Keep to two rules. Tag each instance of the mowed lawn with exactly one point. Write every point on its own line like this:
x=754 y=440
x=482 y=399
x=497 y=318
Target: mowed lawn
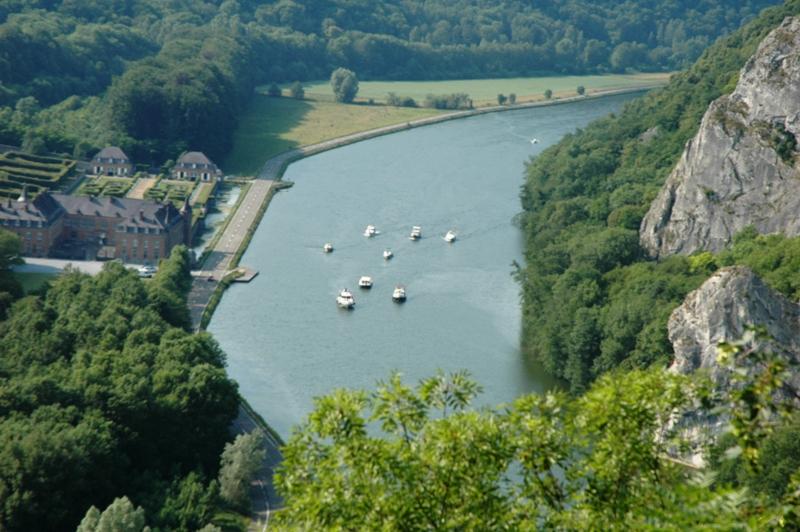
x=273 y=125
x=485 y=91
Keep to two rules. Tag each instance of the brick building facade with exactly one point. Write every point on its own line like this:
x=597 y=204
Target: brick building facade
x=76 y=227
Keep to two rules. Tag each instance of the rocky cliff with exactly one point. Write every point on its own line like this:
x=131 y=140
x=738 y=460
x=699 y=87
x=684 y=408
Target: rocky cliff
x=719 y=311
x=742 y=167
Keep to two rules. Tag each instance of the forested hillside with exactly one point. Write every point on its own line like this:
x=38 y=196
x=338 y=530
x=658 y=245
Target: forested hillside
x=180 y=72
x=592 y=301
x=104 y=393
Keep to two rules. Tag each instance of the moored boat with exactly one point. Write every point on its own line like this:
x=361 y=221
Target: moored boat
x=416 y=233
x=450 y=236
x=399 y=294
x=345 y=299
x=387 y=254
x=370 y=231
x=328 y=247
x=365 y=282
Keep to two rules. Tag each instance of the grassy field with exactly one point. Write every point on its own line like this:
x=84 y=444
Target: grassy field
x=273 y=125
x=484 y=91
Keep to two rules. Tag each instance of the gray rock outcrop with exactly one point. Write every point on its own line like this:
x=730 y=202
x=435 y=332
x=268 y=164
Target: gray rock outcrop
x=720 y=311
x=741 y=168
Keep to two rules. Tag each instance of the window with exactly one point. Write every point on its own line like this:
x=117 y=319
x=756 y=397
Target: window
x=39 y=236
x=135 y=242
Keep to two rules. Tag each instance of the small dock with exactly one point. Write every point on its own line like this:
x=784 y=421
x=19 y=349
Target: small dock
x=244 y=274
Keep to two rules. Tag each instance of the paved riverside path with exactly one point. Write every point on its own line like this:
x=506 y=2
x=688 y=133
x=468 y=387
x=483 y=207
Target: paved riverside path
x=218 y=262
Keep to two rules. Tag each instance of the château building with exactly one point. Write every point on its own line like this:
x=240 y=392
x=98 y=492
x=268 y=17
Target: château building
x=88 y=228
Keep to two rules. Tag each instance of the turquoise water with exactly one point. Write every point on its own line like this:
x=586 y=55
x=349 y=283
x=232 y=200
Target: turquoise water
x=286 y=340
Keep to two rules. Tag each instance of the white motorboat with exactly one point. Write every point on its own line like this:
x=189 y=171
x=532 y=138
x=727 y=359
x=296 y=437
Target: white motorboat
x=345 y=299
x=365 y=282
x=371 y=231
x=328 y=247
x=416 y=233
x=399 y=294
x=387 y=254
x=450 y=237
x=534 y=141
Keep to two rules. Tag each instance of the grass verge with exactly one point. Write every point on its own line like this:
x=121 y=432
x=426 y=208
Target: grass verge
x=274 y=125
x=485 y=91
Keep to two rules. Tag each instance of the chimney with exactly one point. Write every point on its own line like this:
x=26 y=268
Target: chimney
x=24 y=196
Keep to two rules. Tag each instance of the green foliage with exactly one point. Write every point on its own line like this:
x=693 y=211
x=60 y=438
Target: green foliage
x=405 y=458
x=344 y=84
x=296 y=91
x=448 y=101
x=591 y=300
x=102 y=396
x=512 y=98
x=120 y=516
x=400 y=101
x=548 y=94
x=274 y=91
x=159 y=77
x=240 y=462
x=581 y=90
x=501 y=99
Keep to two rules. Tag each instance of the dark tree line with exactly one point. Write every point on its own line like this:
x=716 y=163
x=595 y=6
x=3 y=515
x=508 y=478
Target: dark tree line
x=159 y=77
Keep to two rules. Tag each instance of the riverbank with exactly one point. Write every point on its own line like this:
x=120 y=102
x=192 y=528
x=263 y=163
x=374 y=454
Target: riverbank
x=272 y=171
x=275 y=167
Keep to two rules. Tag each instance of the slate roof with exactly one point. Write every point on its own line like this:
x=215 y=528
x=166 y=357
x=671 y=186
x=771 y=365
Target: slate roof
x=194 y=157
x=111 y=152
x=140 y=213
x=43 y=209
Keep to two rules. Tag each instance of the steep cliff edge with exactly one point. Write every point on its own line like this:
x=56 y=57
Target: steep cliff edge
x=742 y=167
x=719 y=311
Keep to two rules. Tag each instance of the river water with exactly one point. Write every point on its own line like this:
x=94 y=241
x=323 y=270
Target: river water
x=286 y=340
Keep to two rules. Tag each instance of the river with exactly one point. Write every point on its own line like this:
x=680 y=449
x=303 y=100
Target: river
x=286 y=340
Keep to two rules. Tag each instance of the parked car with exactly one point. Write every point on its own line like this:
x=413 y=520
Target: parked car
x=147 y=271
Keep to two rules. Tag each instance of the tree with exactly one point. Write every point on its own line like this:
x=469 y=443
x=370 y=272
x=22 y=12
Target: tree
x=9 y=249
x=296 y=90
x=273 y=90
x=421 y=459
x=120 y=516
x=548 y=94
x=581 y=90
x=344 y=84
x=512 y=98
x=501 y=99
x=239 y=463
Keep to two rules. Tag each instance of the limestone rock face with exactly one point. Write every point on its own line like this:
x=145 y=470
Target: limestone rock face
x=720 y=310
x=742 y=168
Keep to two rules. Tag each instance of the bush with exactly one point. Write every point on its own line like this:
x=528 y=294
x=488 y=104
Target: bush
x=274 y=91
x=296 y=91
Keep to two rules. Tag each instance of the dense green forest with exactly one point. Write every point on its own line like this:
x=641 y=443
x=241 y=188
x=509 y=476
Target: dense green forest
x=158 y=77
x=104 y=393
x=591 y=300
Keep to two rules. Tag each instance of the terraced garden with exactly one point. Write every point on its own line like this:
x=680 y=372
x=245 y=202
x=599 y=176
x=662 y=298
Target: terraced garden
x=106 y=186
x=34 y=171
x=172 y=190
